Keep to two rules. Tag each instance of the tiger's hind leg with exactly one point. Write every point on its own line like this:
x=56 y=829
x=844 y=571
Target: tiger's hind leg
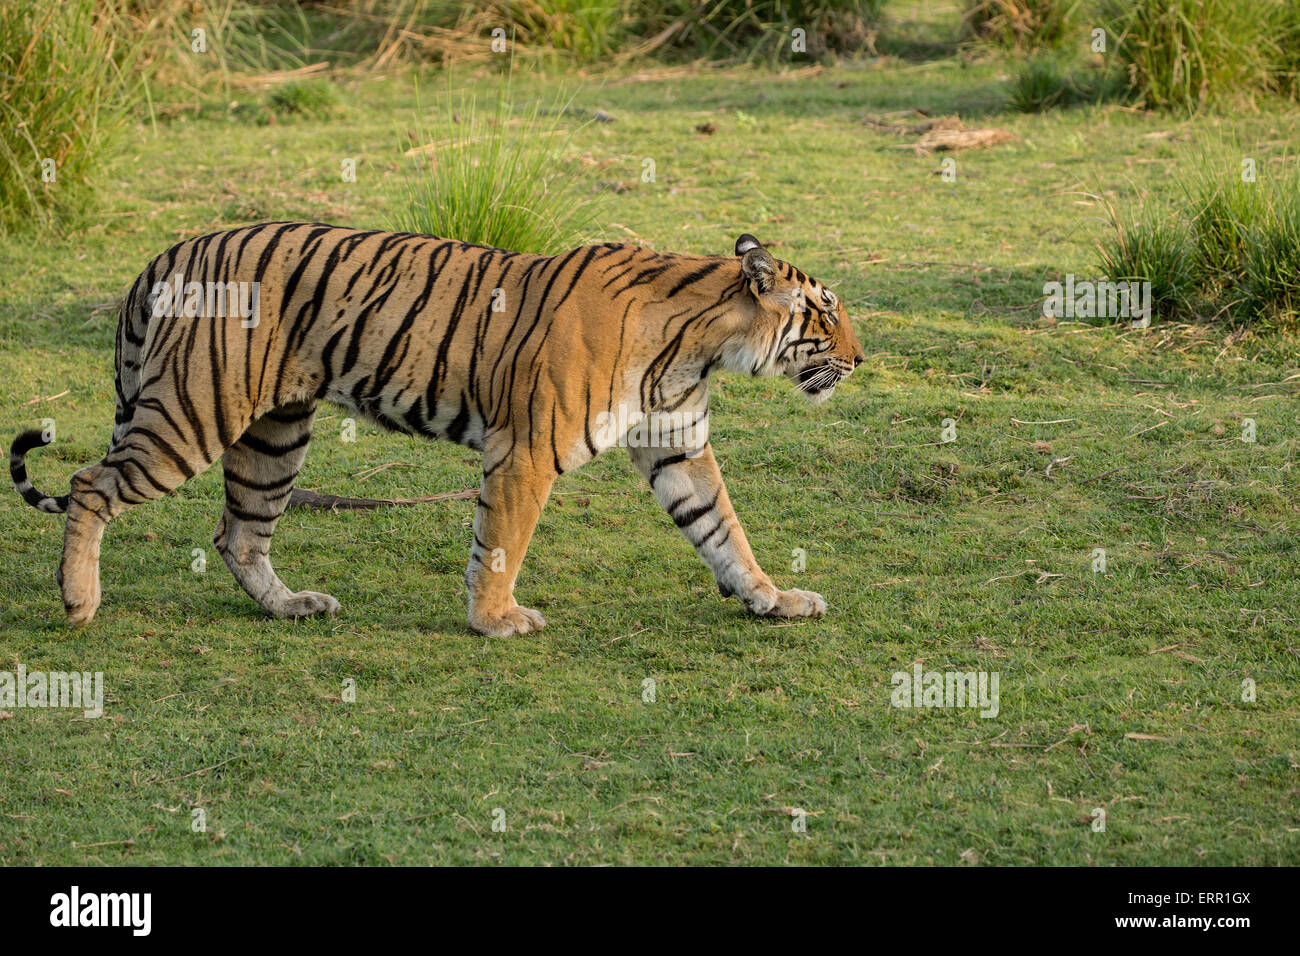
x=149 y=460
x=260 y=471
x=99 y=494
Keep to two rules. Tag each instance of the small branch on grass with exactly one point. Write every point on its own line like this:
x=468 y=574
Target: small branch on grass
x=1056 y=461
x=469 y=141
x=1149 y=382
x=47 y=398
x=1088 y=481
x=615 y=640
x=1005 y=577
x=90 y=846
x=371 y=472
x=306 y=498
x=1145 y=430
x=201 y=770
x=276 y=77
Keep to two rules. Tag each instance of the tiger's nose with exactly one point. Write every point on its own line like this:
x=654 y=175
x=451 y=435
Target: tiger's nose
x=858 y=360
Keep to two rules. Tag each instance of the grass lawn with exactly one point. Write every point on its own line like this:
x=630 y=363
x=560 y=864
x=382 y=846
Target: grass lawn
x=1119 y=690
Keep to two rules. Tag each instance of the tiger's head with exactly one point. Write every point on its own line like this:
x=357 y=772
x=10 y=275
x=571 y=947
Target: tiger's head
x=800 y=328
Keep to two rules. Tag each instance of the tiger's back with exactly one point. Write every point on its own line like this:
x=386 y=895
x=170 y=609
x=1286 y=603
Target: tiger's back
x=389 y=324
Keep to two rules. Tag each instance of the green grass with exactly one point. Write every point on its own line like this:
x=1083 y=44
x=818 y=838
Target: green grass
x=750 y=30
x=1024 y=25
x=1047 y=82
x=1190 y=54
x=313 y=100
x=1228 y=248
x=498 y=177
x=967 y=555
x=62 y=100
x=1155 y=246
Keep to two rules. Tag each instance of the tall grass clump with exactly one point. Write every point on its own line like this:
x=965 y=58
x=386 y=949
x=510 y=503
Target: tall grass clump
x=587 y=30
x=238 y=37
x=1021 y=25
x=1153 y=246
x=385 y=32
x=1270 y=293
x=1287 y=71
x=746 y=30
x=499 y=179
x=1187 y=54
x=62 y=99
x=1224 y=215
x=1046 y=82
x=1041 y=84
x=1227 y=249
x=251 y=35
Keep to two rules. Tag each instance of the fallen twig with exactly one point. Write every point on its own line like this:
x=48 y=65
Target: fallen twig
x=306 y=498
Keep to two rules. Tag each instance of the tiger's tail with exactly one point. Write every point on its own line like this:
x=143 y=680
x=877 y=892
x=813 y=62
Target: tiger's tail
x=33 y=438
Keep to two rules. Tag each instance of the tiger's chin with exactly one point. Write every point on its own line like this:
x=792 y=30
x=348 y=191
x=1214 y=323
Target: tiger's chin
x=817 y=382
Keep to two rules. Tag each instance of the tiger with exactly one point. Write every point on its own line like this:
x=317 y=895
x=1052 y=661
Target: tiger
x=538 y=362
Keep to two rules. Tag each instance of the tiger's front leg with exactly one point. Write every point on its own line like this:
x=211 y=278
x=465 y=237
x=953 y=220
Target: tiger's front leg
x=692 y=492
x=509 y=504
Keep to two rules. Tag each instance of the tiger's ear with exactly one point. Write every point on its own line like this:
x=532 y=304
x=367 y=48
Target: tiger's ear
x=756 y=263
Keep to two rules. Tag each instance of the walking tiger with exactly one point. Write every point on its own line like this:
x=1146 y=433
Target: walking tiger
x=525 y=358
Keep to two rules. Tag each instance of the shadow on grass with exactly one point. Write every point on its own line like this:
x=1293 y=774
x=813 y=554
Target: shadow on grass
x=971 y=290
x=849 y=94
x=921 y=34
x=916 y=49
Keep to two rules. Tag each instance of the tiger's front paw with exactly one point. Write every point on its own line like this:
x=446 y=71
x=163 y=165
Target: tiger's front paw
x=796 y=603
x=517 y=620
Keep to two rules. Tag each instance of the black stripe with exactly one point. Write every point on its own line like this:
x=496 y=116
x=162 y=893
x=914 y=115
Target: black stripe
x=695 y=514
x=663 y=463
x=181 y=464
x=253 y=443
x=278 y=485
x=276 y=415
x=695 y=276
x=243 y=515
x=722 y=523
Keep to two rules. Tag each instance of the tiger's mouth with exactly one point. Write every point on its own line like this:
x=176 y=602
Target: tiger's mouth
x=818 y=381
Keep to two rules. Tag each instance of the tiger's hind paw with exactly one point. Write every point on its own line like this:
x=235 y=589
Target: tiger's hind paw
x=80 y=614
x=517 y=620
x=305 y=604
x=79 y=603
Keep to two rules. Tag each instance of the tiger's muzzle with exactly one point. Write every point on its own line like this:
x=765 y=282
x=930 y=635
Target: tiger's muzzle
x=819 y=380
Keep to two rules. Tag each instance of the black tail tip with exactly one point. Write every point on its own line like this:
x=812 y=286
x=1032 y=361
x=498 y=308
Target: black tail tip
x=18 y=472
x=32 y=438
